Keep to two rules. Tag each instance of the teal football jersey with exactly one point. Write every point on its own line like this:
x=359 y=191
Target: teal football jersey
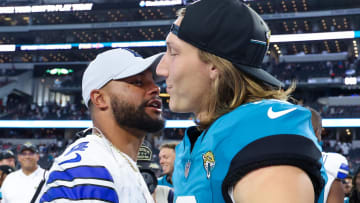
x=254 y=135
x=163 y=181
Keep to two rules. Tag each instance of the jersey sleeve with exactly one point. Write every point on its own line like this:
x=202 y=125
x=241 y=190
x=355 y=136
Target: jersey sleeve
x=336 y=165
x=80 y=183
x=73 y=177
x=296 y=151
x=287 y=140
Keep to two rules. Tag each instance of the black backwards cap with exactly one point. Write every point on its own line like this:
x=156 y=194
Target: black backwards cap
x=7 y=154
x=6 y=169
x=28 y=146
x=231 y=30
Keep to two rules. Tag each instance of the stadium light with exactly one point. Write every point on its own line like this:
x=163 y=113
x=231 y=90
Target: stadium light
x=59 y=71
x=162 y=43
x=159 y=43
x=46 y=8
x=340 y=122
x=76 y=124
x=160 y=3
x=93 y=45
x=179 y=123
x=314 y=36
x=350 y=81
x=98 y=45
x=7 y=48
x=45 y=124
x=45 y=47
x=326 y=122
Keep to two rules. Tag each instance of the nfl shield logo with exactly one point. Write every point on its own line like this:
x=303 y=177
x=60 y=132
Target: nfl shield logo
x=187 y=168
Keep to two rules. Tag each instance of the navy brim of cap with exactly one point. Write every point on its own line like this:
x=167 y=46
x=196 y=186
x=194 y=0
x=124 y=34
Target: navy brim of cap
x=260 y=74
x=7 y=156
x=28 y=148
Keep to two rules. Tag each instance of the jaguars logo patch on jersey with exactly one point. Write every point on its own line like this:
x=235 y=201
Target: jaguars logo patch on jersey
x=209 y=163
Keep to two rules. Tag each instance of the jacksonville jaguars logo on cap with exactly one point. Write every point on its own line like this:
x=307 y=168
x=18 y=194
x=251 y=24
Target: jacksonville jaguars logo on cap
x=209 y=163
x=194 y=2
x=267 y=36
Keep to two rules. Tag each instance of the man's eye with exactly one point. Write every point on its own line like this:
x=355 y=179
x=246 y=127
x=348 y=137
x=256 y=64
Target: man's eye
x=137 y=82
x=173 y=53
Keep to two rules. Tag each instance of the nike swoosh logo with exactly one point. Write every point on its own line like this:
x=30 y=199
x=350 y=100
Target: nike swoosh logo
x=273 y=115
x=76 y=159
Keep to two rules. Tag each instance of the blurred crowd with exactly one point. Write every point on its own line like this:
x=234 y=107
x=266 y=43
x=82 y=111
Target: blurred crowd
x=16 y=110
x=19 y=110
x=305 y=70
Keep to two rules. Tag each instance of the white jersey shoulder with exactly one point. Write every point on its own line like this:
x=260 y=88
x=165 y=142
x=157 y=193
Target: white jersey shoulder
x=336 y=167
x=90 y=170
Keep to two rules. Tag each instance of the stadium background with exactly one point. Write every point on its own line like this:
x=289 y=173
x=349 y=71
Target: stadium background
x=45 y=45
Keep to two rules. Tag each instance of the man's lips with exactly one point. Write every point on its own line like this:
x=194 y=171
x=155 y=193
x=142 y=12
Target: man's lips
x=154 y=103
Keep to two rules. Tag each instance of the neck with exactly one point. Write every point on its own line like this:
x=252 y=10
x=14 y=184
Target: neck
x=126 y=140
x=28 y=171
x=201 y=116
x=203 y=111
x=169 y=178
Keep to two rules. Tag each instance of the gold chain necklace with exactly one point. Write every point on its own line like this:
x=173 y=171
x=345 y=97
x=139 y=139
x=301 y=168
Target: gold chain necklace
x=98 y=132
x=127 y=159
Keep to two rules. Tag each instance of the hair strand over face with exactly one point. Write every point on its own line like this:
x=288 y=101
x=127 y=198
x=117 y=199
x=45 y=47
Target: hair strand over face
x=233 y=88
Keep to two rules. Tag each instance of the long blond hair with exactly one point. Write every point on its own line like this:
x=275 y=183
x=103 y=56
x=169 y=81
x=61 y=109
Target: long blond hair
x=233 y=88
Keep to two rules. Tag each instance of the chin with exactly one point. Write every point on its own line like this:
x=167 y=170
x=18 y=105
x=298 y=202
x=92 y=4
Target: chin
x=174 y=107
x=179 y=109
x=155 y=115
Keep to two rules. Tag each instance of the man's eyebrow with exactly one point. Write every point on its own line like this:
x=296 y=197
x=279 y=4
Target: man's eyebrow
x=142 y=73
x=171 y=44
x=131 y=77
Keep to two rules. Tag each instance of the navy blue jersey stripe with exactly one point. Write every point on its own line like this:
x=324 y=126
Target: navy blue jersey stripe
x=344 y=167
x=341 y=175
x=85 y=172
x=170 y=196
x=81 y=192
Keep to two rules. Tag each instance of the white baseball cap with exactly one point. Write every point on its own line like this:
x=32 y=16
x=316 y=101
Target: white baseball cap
x=113 y=65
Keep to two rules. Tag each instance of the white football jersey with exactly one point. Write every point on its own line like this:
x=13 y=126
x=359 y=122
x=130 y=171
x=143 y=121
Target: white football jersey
x=92 y=170
x=336 y=166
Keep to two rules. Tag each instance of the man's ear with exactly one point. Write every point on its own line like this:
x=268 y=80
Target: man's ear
x=213 y=71
x=98 y=99
x=37 y=157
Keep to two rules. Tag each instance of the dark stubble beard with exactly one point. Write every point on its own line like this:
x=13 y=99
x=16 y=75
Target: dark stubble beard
x=127 y=115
